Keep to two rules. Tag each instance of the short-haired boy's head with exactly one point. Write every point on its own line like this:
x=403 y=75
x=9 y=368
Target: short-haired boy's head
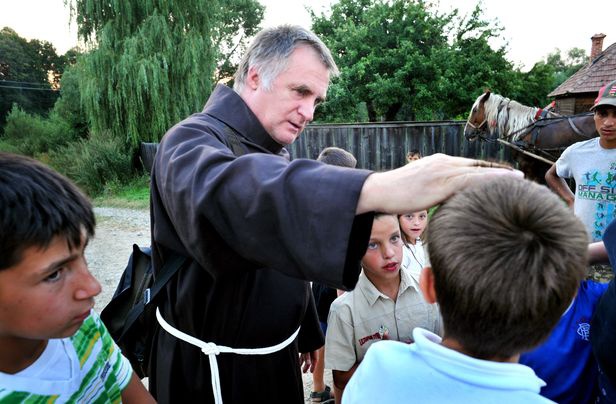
x=413 y=155
x=37 y=204
x=507 y=257
x=337 y=157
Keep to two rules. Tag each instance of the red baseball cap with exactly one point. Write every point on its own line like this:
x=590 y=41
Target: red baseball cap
x=607 y=96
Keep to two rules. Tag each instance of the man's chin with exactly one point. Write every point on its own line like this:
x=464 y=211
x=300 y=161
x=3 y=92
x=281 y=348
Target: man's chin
x=287 y=138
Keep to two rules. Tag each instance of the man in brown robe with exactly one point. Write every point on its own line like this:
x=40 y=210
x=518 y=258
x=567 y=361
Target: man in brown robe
x=256 y=227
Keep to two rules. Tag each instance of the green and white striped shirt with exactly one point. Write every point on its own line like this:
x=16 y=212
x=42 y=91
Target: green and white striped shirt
x=92 y=370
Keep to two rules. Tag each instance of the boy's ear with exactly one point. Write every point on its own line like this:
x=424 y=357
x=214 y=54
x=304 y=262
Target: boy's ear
x=426 y=284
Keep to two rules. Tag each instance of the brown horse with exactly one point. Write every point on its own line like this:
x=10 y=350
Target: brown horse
x=537 y=135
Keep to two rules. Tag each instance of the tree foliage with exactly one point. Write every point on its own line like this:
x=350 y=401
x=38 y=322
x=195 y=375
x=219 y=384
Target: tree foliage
x=153 y=62
x=534 y=85
x=25 y=68
x=403 y=60
x=387 y=53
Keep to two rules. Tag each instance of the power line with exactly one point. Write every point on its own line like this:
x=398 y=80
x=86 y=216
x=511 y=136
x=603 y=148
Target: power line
x=24 y=82
x=28 y=88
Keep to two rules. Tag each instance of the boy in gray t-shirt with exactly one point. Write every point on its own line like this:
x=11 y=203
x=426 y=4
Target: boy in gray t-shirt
x=592 y=164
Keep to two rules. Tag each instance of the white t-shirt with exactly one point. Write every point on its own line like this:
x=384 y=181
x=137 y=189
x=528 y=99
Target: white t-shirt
x=85 y=368
x=414 y=258
x=428 y=372
x=594 y=170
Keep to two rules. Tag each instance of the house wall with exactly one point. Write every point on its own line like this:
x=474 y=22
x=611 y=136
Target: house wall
x=565 y=106
x=583 y=104
x=574 y=105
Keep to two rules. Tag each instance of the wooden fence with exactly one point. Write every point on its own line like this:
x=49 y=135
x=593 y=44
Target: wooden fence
x=383 y=146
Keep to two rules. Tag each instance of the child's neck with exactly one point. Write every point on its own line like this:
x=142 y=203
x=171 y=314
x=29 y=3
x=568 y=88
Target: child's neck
x=389 y=287
x=456 y=346
x=16 y=354
x=412 y=241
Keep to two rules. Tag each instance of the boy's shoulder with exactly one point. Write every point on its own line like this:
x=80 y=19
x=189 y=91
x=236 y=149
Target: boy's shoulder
x=364 y=294
x=344 y=301
x=590 y=145
x=591 y=290
x=87 y=358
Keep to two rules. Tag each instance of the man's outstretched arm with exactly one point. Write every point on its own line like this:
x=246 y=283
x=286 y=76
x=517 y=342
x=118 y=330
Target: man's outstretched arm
x=425 y=183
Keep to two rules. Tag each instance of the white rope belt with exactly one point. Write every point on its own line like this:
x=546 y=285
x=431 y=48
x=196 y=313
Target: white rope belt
x=211 y=350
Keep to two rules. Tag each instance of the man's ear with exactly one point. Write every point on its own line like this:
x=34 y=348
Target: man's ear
x=426 y=284
x=253 y=79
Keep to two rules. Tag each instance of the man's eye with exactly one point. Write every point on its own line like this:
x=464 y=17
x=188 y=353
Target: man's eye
x=371 y=246
x=395 y=239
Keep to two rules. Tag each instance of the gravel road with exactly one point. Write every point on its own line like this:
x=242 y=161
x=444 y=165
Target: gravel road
x=107 y=254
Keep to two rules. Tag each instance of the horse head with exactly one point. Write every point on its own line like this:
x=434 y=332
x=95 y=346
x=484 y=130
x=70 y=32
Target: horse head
x=477 y=123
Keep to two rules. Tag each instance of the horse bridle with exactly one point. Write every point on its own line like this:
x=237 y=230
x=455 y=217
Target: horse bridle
x=478 y=132
x=478 y=126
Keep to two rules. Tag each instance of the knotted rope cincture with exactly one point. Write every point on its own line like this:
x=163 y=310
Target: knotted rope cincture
x=211 y=350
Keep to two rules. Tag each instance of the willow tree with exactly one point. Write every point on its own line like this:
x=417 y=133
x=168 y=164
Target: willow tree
x=152 y=62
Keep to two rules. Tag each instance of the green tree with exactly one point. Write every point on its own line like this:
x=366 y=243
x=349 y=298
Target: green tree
x=401 y=59
x=24 y=73
x=471 y=65
x=385 y=52
x=68 y=107
x=153 y=62
x=533 y=86
x=575 y=59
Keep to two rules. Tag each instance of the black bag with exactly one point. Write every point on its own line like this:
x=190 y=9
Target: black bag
x=130 y=315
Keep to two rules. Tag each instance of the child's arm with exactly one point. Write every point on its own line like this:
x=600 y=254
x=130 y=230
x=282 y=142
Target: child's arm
x=597 y=254
x=341 y=378
x=559 y=185
x=135 y=392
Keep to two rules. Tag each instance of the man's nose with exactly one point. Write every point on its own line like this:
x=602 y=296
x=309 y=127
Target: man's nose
x=306 y=110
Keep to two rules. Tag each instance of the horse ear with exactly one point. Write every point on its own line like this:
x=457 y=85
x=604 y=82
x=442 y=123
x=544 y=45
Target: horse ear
x=485 y=96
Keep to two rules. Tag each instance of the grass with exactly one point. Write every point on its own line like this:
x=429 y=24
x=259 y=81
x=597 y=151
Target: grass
x=134 y=195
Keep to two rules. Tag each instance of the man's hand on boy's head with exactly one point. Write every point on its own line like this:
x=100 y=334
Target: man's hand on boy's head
x=425 y=183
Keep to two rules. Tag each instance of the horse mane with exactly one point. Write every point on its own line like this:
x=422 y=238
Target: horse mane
x=506 y=115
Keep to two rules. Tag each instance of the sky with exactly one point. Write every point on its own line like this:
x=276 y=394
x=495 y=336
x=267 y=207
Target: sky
x=532 y=28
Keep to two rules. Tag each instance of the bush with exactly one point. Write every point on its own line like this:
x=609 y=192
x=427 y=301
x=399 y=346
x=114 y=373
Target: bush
x=8 y=147
x=32 y=134
x=94 y=162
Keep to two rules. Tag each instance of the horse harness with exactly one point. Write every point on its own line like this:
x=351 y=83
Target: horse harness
x=541 y=121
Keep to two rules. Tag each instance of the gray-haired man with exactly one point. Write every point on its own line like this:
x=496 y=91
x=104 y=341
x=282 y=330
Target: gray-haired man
x=256 y=227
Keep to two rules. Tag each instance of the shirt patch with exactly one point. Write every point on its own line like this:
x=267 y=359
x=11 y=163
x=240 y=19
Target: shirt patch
x=583 y=331
x=382 y=333
x=363 y=340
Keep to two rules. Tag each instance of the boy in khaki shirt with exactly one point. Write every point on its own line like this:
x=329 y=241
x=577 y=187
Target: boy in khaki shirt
x=386 y=304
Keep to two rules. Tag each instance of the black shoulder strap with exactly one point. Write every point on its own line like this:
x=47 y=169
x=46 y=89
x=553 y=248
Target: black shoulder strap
x=175 y=261
x=235 y=141
x=164 y=275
